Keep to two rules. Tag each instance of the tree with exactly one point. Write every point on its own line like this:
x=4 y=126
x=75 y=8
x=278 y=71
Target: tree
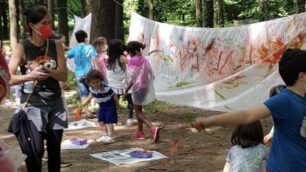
x=85 y=7
x=221 y=13
x=198 y=7
x=5 y=22
x=299 y=6
x=151 y=9
x=262 y=10
x=1 y=9
x=102 y=19
x=119 y=20
x=23 y=27
x=62 y=17
x=209 y=13
x=51 y=9
x=13 y=23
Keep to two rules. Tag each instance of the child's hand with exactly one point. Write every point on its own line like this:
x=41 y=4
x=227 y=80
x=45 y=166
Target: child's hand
x=78 y=113
x=198 y=125
x=268 y=138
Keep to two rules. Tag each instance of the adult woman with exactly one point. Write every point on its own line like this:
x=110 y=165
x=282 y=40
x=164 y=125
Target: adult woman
x=42 y=62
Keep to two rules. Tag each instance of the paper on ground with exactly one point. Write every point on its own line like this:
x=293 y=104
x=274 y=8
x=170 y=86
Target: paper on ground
x=81 y=124
x=68 y=145
x=121 y=157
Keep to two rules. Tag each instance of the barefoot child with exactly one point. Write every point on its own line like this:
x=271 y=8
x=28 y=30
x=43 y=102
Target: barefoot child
x=108 y=103
x=142 y=87
x=288 y=150
x=247 y=153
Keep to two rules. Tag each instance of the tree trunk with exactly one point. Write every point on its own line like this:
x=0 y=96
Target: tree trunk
x=23 y=26
x=299 y=6
x=85 y=7
x=209 y=13
x=102 y=19
x=151 y=9
x=1 y=30
x=62 y=17
x=17 y=18
x=262 y=10
x=5 y=31
x=119 y=29
x=221 y=13
x=13 y=23
x=52 y=12
x=198 y=8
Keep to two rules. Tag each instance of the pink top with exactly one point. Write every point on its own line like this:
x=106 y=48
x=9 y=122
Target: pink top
x=102 y=63
x=141 y=73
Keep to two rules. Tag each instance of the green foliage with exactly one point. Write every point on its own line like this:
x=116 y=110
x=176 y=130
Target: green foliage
x=247 y=11
x=71 y=80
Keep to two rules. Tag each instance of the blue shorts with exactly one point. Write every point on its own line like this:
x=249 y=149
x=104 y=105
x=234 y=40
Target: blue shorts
x=108 y=115
x=83 y=87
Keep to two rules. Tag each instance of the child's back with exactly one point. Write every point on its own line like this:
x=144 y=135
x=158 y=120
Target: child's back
x=247 y=159
x=248 y=153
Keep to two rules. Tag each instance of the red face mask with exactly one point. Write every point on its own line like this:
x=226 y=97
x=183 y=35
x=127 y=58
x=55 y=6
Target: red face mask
x=45 y=30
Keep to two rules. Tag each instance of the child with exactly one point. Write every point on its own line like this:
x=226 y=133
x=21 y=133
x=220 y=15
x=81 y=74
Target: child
x=142 y=87
x=274 y=90
x=288 y=151
x=248 y=153
x=100 y=45
x=117 y=74
x=108 y=103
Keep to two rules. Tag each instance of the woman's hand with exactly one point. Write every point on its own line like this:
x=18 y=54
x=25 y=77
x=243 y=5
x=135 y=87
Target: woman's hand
x=38 y=74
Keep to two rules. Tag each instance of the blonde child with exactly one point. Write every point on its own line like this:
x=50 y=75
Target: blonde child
x=117 y=74
x=247 y=153
x=108 y=103
x=100 y=45
x=142 y=88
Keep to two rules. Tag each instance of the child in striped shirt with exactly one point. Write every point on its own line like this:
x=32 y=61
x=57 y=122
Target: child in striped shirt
x=108 y=104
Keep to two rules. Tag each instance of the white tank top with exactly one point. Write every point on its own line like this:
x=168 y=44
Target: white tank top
x=118 y=79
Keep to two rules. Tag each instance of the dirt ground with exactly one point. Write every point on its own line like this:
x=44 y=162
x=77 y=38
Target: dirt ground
x=187 y=150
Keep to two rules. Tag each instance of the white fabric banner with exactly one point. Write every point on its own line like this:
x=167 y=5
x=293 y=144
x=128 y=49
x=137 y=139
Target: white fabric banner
x=79 y=24
x=223 y=69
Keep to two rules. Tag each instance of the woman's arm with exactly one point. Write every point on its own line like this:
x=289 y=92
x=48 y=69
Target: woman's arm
x=60 y=73
x=240 y=117
x=18 y=57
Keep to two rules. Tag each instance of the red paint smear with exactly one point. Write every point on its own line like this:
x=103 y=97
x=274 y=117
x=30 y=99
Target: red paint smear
x=228 y=57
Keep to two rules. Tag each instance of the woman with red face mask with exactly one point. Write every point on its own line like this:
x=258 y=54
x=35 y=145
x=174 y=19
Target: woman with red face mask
x=42 y=65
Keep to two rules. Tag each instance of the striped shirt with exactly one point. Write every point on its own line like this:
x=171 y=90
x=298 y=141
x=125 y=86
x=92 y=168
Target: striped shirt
x=103 y=96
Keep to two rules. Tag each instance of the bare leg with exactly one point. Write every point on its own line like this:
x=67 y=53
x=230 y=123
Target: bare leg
x=103 y=128
x=110 y=129
x=141 y=118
